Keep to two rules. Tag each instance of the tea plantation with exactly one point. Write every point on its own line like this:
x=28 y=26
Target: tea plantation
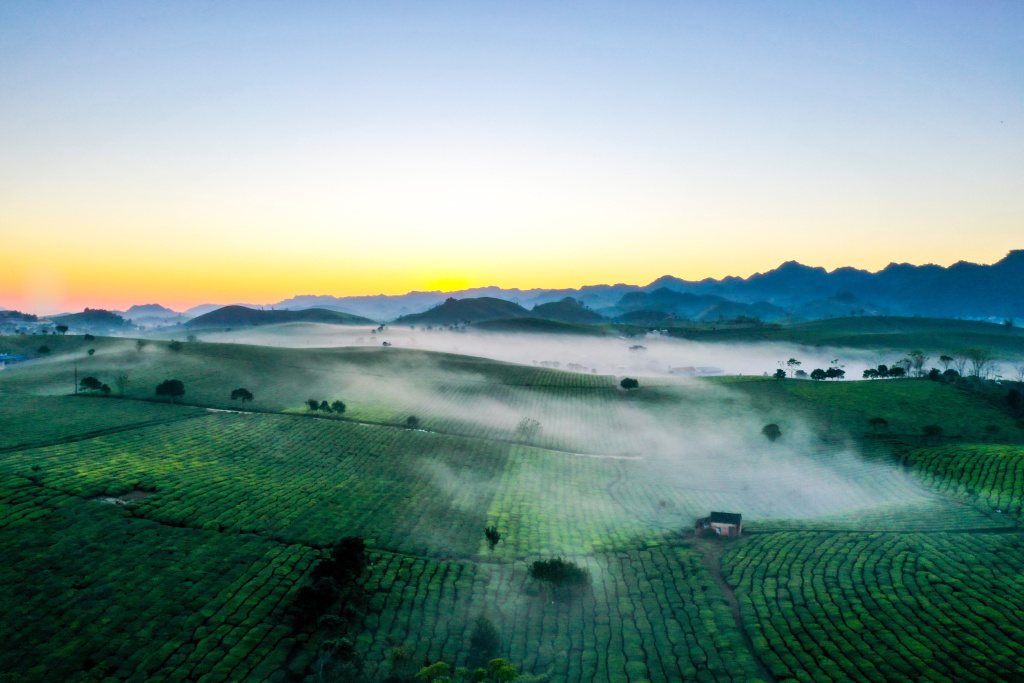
x=144 y=540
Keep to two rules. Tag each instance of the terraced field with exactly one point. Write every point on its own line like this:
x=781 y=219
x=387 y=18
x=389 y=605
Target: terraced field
x=192 y=530
x=883 y=606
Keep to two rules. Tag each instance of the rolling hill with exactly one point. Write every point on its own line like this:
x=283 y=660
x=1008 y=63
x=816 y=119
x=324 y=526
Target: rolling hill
x=240 y=316
x=454 y=311
x=568 y=310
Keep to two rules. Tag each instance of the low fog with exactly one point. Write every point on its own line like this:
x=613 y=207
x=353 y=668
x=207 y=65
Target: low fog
x=657 y=355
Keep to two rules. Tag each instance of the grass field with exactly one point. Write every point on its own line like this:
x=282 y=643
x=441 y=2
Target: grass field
x=192 y=529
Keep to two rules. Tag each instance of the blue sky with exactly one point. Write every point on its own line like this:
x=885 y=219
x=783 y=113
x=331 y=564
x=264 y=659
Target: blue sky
x=518 y=144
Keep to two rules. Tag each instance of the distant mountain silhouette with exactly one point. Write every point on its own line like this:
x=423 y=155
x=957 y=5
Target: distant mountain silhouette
x=964 y=290
x=240 y=316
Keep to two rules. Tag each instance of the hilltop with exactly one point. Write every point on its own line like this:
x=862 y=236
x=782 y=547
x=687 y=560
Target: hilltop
x=454 y=311
x=240 y=316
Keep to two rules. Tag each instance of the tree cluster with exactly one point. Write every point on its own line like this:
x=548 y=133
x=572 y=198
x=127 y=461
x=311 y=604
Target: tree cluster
x=91 y=384
x=559 y=572
x=331 y=577
x=325 y=407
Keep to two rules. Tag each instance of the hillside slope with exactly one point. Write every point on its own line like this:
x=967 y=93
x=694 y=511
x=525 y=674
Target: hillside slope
x=240 y=316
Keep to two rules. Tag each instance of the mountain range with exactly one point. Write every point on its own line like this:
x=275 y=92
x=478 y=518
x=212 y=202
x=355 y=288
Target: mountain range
x=962 y=290
x=790 y=291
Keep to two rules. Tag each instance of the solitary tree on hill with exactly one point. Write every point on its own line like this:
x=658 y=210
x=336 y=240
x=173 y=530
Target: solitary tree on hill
x=63 y=329
x=412 y=422
x=493 y=536
x=771 y=431
x=171 y=388
x=243 y=394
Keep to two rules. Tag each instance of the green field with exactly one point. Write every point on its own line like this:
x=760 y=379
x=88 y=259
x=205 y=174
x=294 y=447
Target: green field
x=149 y=541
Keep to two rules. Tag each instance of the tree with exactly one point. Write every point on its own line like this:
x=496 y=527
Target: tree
x=313 y=404
x=191 y=338
x=951 y=375
x=88 y=337
x=243 y=394
x=793 y=364
x=818 y=374
x=960 y=360
x=870 y=373
x=171 y=388
x=90 y=384
x=338 y=407
x=140 y=344
x=835 y=373
x=559 y=573
x=484 y=641
x=981 y=361
x=105 y=390
x=63 y=329
x=628 y=383
x=771 y=431
x=945 y=361
x=493 y=536
x=780 y=374
x=91 y=352
x=897 y=371
x=121 y=381
x=528 y=429
x=175 y=345
x=935 y=374
x=917 y=360
x=325 y=407
x=883 y=370
x=412 y=422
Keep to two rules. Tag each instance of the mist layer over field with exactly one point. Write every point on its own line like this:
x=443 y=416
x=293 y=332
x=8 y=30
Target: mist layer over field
x=660 y=455
x=657 y=355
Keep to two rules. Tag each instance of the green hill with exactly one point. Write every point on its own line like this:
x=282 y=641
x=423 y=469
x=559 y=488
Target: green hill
x=568 y=310
x=457 y=311
x=241 y=316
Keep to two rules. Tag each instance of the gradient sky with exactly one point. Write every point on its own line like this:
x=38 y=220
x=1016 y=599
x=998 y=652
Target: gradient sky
x=194 y=152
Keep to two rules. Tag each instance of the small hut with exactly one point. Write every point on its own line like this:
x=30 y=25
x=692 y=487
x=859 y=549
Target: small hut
x=725 y=524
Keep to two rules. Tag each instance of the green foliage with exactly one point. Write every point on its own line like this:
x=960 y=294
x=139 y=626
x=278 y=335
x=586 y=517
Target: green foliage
x=175 y=346
x=171 y=388
x=559 y=572
x=241 y=394
x=771 y=431
x=629 y=383
x=780 y=374
x=493 y=536
x=338 y=407
x=90 y=384
x=412 y=422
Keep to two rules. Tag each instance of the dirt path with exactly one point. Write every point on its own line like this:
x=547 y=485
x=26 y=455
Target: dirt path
x=711 y=551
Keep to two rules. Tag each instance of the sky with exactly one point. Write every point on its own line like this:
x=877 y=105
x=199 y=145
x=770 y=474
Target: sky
x=195 y=152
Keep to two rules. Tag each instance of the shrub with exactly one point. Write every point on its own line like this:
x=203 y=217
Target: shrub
x=771 y=431
x=559 y=572
x=493 y=536
x=628 y=383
